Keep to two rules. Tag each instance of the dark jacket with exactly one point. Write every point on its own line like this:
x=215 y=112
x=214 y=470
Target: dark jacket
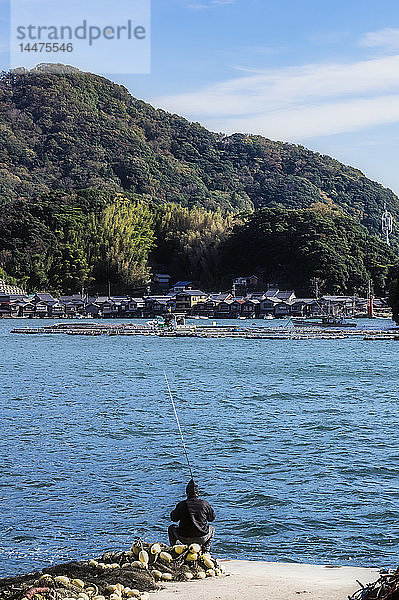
x=193 y=514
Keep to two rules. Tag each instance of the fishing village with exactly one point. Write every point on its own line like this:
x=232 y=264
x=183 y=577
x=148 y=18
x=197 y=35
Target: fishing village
x=199 y=240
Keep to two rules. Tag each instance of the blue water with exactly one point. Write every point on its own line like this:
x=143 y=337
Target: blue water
x=294 y=443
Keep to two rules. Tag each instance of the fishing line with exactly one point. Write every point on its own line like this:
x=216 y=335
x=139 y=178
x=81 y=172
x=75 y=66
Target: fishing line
x=178 y=424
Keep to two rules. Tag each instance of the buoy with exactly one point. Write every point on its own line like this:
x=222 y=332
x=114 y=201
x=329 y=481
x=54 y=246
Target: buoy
x=201 y=575
x=208 y=563
x=78 y=582
x=179 y=548
x=143 y=556
x=62 y=580
x=195 y=548
x=93 y=563
x=188 y=575
x=155 y=549
x=166 y=557
x=167 y=576
x=191 y=557
x=156 y=574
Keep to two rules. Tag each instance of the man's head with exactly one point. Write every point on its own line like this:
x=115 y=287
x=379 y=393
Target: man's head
x=191 y=489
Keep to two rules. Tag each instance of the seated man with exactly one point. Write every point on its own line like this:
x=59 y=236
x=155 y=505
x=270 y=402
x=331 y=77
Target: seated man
x=193 y=515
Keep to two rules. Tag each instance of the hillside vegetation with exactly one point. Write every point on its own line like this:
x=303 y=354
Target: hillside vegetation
x=96 y=185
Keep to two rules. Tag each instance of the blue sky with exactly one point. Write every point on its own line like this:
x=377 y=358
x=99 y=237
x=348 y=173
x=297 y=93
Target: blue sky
x=325 y=75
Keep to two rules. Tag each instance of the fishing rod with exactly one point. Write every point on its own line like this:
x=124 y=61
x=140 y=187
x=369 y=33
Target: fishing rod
x=178 y=424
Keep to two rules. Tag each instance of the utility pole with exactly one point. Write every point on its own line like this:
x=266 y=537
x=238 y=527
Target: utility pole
x=370 y=301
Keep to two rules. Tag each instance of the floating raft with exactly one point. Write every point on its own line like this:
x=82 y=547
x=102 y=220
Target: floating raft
x=211 y=332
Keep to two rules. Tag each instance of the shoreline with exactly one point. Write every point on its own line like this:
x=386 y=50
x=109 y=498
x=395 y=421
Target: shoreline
x=260 y=580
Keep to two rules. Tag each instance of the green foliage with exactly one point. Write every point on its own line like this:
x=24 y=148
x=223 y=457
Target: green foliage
x=293 y=247
x=76 y=130
x=126 y=237
x=46 y=243
x=188 y=241
x=96 y=186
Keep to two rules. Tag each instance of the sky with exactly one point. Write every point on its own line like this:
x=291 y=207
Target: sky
x=321 y=74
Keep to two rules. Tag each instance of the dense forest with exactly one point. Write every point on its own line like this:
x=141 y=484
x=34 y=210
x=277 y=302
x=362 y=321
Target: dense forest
x=97 y=186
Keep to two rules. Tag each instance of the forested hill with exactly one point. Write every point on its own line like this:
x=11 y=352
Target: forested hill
x=76 y=130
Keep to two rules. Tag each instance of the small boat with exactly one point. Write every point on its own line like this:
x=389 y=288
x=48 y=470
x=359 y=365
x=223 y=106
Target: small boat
x=326 y=321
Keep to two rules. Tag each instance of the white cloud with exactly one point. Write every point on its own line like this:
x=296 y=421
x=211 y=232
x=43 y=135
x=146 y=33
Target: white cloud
x=297 y=102
x=210 y=4
x=299 y=123
x=387 y=39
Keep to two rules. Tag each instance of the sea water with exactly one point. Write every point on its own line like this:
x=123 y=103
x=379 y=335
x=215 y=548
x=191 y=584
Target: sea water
x=293 y=442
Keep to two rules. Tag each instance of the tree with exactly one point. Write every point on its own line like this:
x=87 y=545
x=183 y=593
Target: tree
x=126 y=237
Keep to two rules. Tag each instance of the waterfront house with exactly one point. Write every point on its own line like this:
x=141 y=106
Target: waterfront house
x=57 y=310
x=186 y=300
x=158 y=305
x=223 y=308
x=115 y=307
x=48 y=299
x=302 y=307
x=74 y=305
x=8 y=308
x=27 y=310
x=338 y=305
x=41 y=309
x=93 y=309
x=135 y=307
x=282 y=309
x=250 y=308
x=236 y=307
x=268 y=305
x=210 y=306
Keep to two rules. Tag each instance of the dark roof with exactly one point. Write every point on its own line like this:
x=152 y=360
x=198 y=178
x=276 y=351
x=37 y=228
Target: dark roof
x=219 y=297
x=271 y=292
x=272 y=299
x=68 y=299
x=193 y=293
x=286 y=295
x=337 y=298
x=46 y=297
x=182 y=283
x=303 y=300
